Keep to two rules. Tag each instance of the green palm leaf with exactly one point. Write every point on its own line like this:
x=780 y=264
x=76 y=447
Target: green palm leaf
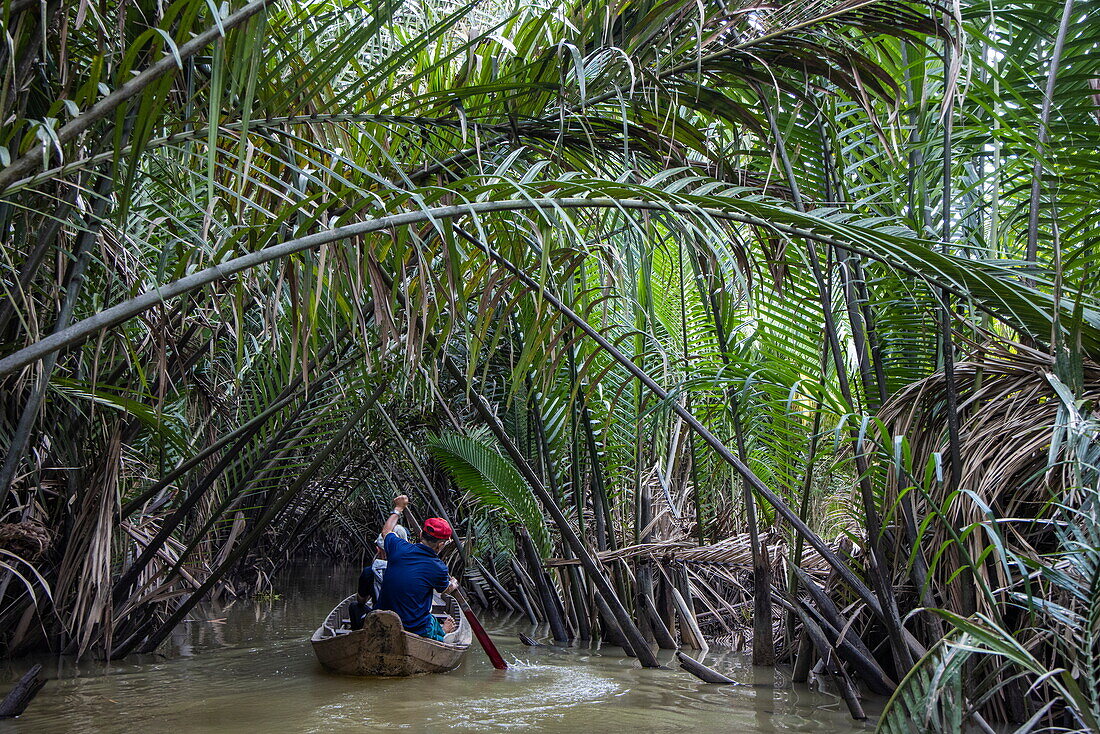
x=491 y=478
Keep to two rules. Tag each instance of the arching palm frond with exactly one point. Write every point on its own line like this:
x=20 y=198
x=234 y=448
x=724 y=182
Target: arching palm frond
x=492 y=480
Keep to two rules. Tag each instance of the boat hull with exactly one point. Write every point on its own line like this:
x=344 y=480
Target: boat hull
x=383 y=648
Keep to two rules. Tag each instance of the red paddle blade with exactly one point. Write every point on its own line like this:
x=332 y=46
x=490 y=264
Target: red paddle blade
x=483 y=637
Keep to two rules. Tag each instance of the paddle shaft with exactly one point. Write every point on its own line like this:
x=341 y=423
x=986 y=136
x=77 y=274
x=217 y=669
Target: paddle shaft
x=479 y=631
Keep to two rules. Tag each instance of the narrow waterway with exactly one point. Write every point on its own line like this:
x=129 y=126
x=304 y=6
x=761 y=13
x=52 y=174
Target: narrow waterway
x=248 y=667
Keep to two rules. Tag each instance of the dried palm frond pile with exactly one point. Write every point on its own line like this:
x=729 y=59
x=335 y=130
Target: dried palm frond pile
x=27 y=539
x=734 y=553
x=1033 y=656
x=1008 y=408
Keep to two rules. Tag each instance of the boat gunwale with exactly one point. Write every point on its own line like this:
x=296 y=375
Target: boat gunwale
x=316 y=637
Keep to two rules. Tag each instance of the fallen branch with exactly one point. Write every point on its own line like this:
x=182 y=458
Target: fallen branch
x=689 y=627
x=834 y=669
x=26 y=689
x=702 y=672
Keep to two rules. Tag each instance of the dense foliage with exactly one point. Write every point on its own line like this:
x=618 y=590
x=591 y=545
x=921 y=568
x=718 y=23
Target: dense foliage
x=652 y=273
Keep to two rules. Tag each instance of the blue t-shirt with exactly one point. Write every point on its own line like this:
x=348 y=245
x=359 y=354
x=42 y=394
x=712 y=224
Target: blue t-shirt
x=413 y=572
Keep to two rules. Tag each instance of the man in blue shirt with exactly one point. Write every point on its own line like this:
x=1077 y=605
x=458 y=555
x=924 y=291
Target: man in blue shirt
x=414 y=571
x=370 y=582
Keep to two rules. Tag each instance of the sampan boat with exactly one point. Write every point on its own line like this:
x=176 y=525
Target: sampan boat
x=383 y=647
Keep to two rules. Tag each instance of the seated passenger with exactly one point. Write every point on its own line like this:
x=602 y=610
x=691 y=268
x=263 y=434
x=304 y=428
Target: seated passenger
x=370 y=581
x=413 y=572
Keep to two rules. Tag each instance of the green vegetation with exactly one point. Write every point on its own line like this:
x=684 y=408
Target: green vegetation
x=787 y=308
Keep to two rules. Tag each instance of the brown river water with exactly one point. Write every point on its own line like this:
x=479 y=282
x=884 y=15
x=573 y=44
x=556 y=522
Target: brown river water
x=248 y=667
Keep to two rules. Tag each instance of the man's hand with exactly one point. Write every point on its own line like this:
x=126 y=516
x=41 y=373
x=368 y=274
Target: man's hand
x=452 y=587
x=400 y=502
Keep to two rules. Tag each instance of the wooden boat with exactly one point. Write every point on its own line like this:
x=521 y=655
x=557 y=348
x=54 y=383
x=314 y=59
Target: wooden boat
x=383 y=647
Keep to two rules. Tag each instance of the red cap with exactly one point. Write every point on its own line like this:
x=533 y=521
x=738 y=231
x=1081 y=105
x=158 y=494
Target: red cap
x=438 y=528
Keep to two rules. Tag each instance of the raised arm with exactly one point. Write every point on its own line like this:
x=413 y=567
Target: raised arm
x=400 y=502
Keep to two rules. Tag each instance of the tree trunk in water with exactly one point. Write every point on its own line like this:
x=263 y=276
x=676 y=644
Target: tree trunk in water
x=580 y=606
x=832 y=665
x=547 y=595
x=665 y=640
x=508 y=600
x=803 y=659
x=889 y=616
x=643 y=590
x=885 y=603
x=322 y=455
x=763 y=640
x=689 y=627
x=528 y=608
x=610 y=632
x=666 y=608
x=847 y=642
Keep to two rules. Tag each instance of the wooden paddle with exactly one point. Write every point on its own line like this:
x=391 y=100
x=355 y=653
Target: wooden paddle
x=479 y=631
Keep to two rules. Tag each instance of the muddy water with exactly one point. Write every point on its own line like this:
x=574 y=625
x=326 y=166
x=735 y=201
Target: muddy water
x=248 y=667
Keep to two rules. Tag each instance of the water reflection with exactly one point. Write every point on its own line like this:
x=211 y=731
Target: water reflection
x=247 y=666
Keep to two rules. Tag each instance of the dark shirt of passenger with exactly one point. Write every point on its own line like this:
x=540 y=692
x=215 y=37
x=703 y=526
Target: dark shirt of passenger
x=366 y=583
x=413 y=572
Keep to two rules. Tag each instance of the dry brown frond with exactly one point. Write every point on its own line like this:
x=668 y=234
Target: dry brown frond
x=83 y=595
x=28 y=539
x=1008 y=410
x=733 y=553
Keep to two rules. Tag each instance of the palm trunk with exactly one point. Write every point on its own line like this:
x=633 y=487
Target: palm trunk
x=604 y=531
x=879 y=567
x=763 y=642
x=781 y=507
x=547 y=596
x=595 y=573
x=556 y=615
x=165 y=628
